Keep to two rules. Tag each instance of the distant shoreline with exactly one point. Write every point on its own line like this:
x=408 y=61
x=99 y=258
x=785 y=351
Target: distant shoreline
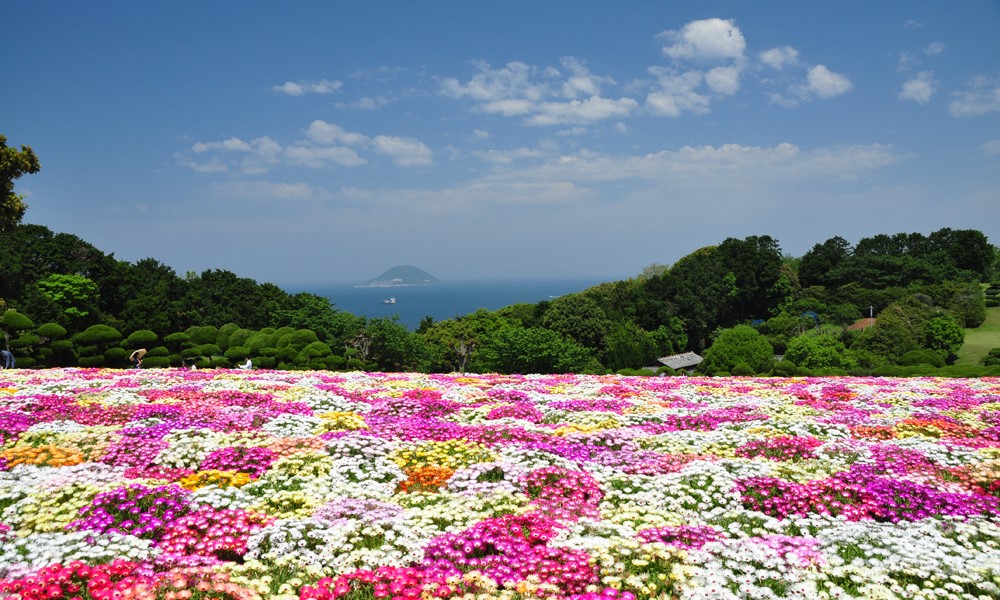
x=395 y=285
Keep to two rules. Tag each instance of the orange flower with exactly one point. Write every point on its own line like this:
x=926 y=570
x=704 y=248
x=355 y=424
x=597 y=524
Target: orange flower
x=877 y=432
x=425 y=479
x=48 y=455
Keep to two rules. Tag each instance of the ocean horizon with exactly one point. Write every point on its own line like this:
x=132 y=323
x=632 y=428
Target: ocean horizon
x=441 y=301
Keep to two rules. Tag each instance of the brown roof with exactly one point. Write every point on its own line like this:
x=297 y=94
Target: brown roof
x=862 y=324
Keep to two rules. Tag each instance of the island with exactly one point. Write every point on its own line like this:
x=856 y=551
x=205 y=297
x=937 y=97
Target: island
x=401 y=276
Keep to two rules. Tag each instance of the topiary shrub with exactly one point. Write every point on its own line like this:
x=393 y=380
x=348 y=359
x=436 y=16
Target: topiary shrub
x=155 y=362
x=141 y=338
x=666 y=371
x=52 y=331
x=334 y=362
x=785 y=368
x=923 y=356
x=355 y=365
x=158 y=351
x=209 y=350
x=742 y=369
x=177 y=341
x=117 y=357
x=888 y=371
x=992 y=358
x=91 y=361
x=237 y=354
x=203 y=335
x=100 y=336
x=265 y=362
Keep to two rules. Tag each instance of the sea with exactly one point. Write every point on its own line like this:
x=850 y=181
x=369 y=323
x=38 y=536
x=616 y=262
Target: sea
x=444 y=300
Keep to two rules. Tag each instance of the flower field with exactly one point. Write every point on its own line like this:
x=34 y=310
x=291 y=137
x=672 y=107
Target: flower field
x=178 y=484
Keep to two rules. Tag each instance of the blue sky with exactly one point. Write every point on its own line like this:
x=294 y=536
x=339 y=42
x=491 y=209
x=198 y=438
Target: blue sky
x=320 y=142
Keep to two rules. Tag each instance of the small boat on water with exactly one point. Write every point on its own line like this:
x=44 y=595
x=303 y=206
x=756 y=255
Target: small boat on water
x=389 y=300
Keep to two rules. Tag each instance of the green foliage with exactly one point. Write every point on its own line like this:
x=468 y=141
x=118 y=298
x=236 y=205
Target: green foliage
x=515 y=349
x=944 y=335
x=819 y=352
x=237 y=354
x=52 y=331
x=178 y=340
x=13 y=321
x=117 y=357
x=74 y=296
x=97 y=335
x=741 y=344
x=13 y=164
x=992 y=358
x=141 y=338
x=204 y=334
x=579 y=318
x=785 y=368
x=742 y=369
x=924 y=356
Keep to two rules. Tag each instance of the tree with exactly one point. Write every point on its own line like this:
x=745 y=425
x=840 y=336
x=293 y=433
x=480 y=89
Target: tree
x=74 y=297
x=512 y=348
x=944 y=335
x=578 y=317
x=12 y=323
x=739 y=344
x=819 y=352
x=13 y=164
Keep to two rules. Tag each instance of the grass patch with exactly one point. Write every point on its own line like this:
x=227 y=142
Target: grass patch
x=982 y=339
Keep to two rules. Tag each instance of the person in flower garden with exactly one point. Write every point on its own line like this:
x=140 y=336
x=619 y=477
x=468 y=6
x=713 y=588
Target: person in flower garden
x=6 y=359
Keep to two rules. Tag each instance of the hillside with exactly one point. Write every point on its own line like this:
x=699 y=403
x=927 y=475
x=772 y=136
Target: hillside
x=982 y=339
x=403 y=275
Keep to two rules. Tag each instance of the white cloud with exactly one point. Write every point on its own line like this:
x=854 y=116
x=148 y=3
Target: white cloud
x=301 y=88
x=992 y=147
x=269 y=190
x=934 y=48
x=480 y=134
x=912 y=24
x=406 y=152
x=325 y=145
x=709 y=40
x=367 y=103
x=677 y=94
x=329 y=133
x=701 y=165
x=520 y=90
x=581 y=111
x=320 y=157
x=920 y=88
x=824 y=83
x=581 y=81
x=724 y=80
x=489 y=85
x=779 y=58
x=982 y=97
x=907 y=61
x=506 y=157
x=230 y=145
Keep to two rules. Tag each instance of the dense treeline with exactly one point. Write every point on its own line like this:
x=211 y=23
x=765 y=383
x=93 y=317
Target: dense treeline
x=739 y=303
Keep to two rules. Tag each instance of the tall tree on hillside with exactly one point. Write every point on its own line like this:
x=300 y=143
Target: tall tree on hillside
x=13 y=164
x=756 y=263
x=815 y=266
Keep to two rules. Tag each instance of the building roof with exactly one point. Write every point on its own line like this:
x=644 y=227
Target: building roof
x=862 y=324
x=680 y=361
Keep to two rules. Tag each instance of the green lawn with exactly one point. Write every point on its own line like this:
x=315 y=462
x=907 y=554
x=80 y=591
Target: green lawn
x=981 y=340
